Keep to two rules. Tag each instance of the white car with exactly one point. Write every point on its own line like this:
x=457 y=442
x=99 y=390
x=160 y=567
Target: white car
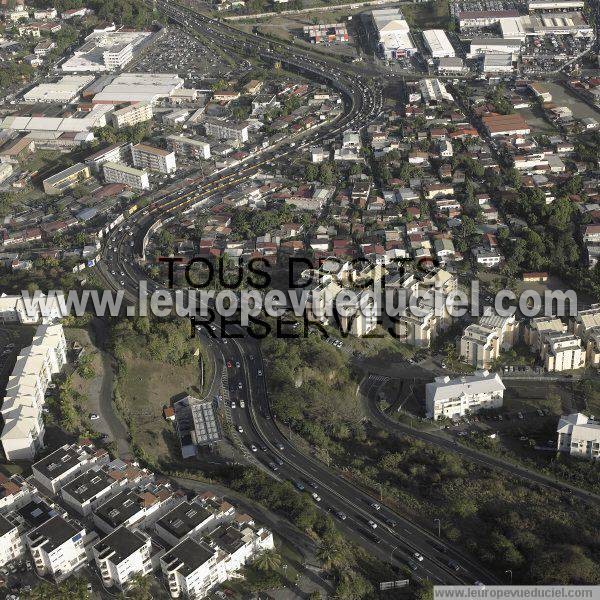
x=253 y=448
x=375 y=505
x=372 y=524
x=316 y=497
x=94 y=416
x=260 y=373
x=418 y=556
x=240 y=429
x=242 y=404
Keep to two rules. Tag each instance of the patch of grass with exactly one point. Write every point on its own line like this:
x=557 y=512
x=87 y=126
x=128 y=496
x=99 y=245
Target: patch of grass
x=427 y=14
x=145 y=387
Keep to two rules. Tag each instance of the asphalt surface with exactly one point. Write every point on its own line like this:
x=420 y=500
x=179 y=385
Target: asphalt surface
x=388 y=535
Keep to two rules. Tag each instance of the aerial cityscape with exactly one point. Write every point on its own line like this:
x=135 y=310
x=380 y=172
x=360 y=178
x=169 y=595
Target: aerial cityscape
x=299 y=299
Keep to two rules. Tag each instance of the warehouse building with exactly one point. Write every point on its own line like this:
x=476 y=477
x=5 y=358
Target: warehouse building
x=393 y=33
x=498 y=63
x=498 y=125
x=139 y=87
x=484 y=45
x=551 y=5
x=564 y=23
x=512 y=28
x=117 y=173
x=433 y=91
x=63 y=91
x=476 y=19
x=105 y=51
x=437 y=43
x=153 y=159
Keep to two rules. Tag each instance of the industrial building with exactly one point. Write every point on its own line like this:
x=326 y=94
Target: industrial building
x=63 y=91
x=153 y=159
x=437 y=43
x=58 y=183
x=512 y=28
x=117 y=173
x=476 y=19
x=545 y=5
x=140 y=112
x=105 y=51
x=563 y=23
x=485 y=45
x=498 y=63
x=393 y=33
x=139 y=87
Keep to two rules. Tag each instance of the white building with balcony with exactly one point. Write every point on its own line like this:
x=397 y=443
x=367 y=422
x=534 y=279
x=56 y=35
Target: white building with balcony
x=579 y=436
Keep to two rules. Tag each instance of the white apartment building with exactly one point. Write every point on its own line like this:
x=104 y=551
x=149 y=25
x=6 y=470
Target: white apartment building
x=139 y=112
x=134 y=178
x=586 y=325
x=13 y=309
x=57 y=548
x=579 y=436
x=433 y=91
x=189 y=147
x=153 y=159
x=90 y=489
x=191 y=569
x=536 y=329
x=23 y=432
x=226 y=130
x=562 y=352
x=66 y=463
x=121 y=555
x=115 y=153
x=360 y=316
x=11 y=544
x=482 y=342
x=182 y=521
x=454 y=398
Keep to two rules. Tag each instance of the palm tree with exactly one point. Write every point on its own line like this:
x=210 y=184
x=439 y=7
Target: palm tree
x=332 y=553
x=269 y=560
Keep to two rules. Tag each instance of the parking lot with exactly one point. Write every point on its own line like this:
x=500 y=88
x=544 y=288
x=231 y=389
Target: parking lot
x=187 y=55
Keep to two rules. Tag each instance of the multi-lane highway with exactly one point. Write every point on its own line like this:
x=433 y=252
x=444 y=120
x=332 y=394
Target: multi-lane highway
x=388 y=535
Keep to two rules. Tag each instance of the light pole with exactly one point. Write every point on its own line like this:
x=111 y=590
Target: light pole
x=439 y=527
x=509 y=571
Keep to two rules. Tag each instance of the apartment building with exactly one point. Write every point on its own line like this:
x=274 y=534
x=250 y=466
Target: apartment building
x=189 y=147
x=11 y=544
x=418 y=330
x=60 y=182
x=136 y=507
x=66 y=463
x=226 y=130
x=134 y=178
x=535 y=330
x=57 y=548
x=482 y=342
x=13 y=309
x=23 y=433
x=586 y=325
x=115 y=153
x=140 y=112
x=562 y=352
x=182 y=521
x=121 y=555
x=15 y=492
x=87 y=491
x=191 y=569
x=454 y=398
x=153 y=159
x=579 y=436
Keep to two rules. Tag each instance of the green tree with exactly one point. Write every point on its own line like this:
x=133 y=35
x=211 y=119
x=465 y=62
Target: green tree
x=268 y=560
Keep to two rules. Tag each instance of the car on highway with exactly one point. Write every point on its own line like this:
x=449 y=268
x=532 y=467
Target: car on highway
x=316 y=497
x=253 y=448
x=341 y=515
x=259 y=373
x=412 y=565
x=299 y=486
x=372 y=524
x=273 y=466
x=280 y=446
x=454 y=565
x=372 y=537
x=418 y=556
x=240 y=429
x=233 y=404
x=242 y=404
x=376 y=505
x=391 y=523
x=229 y=364
x=239 y=385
